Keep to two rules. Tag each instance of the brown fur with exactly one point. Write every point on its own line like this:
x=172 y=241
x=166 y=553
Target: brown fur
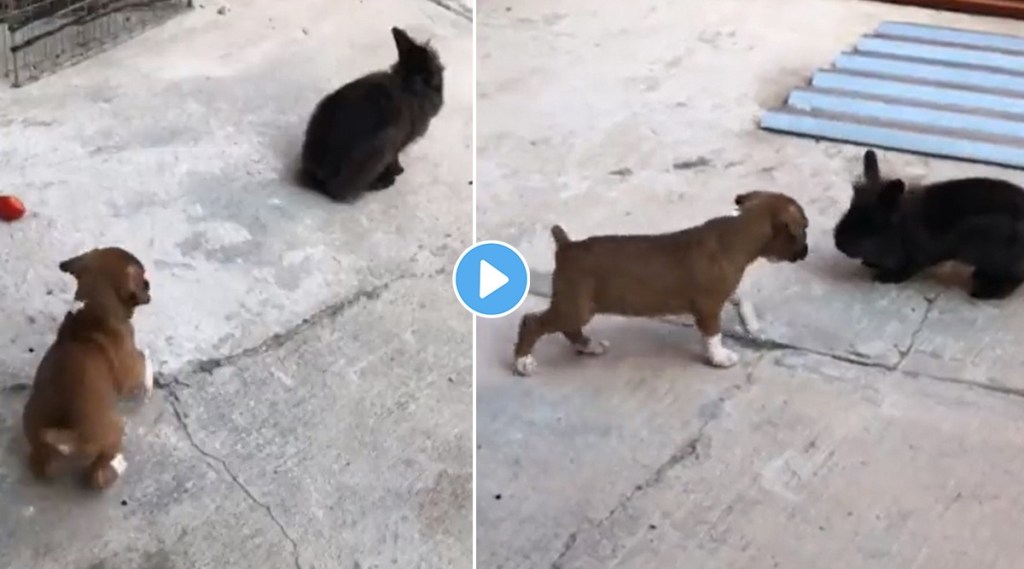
x=93 y=361
x=693 y=271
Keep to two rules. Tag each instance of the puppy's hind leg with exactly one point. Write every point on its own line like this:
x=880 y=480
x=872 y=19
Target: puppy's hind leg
x=557 y=318
x=709 y=322
x=574 y=315
x=531 y=328
x=585 y=345
x=41 y=460
x=105 y=470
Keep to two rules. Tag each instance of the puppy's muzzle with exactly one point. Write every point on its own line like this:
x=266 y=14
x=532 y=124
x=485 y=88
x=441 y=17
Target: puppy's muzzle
x=800 y=254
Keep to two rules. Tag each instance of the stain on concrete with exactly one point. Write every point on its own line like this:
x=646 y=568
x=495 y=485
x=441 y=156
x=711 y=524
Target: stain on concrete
x=623 y=172
x=199 y=243
x=158 y=559
x=698 y=162
x=710 y=410
x=554 y=19
x=674 y=62
x=717 y=38
x=444 y=508
x=650 y=83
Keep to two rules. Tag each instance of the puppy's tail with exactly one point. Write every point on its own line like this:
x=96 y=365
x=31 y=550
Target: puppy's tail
x=561 y=237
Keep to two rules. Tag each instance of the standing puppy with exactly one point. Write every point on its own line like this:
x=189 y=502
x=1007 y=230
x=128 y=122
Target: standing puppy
x=693 y=271
x=72 y=410
x=356 y=133
x=898 y=232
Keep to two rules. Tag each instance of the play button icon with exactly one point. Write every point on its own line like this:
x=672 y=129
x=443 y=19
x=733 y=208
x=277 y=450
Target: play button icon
x=491 y=279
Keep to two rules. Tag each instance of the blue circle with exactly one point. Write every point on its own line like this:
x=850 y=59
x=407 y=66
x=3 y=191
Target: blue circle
x=503 y=259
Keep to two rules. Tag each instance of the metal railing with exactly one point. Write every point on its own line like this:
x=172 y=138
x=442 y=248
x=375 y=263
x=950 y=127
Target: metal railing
x=38 y=37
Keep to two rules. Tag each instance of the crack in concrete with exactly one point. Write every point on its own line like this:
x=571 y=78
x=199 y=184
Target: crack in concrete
x=917 y=331
x=278 y=340
x=174 y=400
x=455 y=7
x=689 y=450
x=169 y=383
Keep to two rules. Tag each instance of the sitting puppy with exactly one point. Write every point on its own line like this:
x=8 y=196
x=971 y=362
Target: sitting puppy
x=693 y=271
x=356 y=133
x=897 y=233
x=72 y=410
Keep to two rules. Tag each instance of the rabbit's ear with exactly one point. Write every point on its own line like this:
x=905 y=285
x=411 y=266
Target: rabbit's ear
x=403 y=42
x=871 y=172
x=890 y=194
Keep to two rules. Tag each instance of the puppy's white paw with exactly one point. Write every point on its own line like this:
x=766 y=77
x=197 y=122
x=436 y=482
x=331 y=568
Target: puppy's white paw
x=723 y=359
x=718 y=355
x=526 y=365
x=592 y=347
x=147 y=374
x=119 y=464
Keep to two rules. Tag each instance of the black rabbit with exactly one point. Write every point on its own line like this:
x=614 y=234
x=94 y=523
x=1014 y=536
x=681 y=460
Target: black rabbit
x=356 y=133
x=897 y=233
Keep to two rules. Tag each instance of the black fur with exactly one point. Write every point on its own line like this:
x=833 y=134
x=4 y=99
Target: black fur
x=898 y=233
x=357 y=132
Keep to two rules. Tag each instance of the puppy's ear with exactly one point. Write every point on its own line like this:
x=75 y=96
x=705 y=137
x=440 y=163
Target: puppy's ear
x=746 y=198
x=74 y=265
x=871 y=171
x=137 y=291
x=890 y=194
x=792 y=221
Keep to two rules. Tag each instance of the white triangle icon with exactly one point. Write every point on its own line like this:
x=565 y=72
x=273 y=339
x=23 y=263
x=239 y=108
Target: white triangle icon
x=491 y=279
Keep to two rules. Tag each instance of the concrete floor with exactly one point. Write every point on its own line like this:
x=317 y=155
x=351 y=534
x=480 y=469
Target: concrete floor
x=316 y=392
x=879 y=427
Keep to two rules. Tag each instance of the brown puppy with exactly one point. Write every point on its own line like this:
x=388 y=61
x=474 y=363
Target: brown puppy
x=72 y=410
x=693 y=271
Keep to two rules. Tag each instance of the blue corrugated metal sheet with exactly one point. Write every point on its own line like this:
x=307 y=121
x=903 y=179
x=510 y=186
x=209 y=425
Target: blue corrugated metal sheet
x=922 y=89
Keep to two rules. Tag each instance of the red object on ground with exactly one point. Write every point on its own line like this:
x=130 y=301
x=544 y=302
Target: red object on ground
x=11 y=208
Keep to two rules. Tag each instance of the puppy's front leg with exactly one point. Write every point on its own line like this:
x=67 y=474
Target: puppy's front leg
x=709 y=322
x=748 y=318
x=147 y=373
x=139 y=375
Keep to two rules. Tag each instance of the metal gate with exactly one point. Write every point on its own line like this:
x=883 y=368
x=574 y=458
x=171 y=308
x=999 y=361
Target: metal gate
x=38 y=37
